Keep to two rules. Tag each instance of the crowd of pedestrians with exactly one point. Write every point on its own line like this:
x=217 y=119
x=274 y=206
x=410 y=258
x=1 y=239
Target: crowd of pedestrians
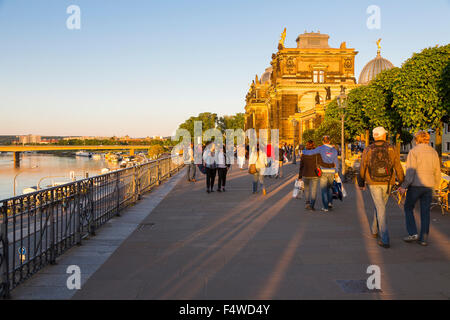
x=380 y=170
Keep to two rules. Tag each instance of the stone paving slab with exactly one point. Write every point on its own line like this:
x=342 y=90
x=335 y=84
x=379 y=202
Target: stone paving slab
x=236 y=245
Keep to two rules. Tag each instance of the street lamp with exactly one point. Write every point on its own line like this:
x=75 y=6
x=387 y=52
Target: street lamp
x=294 y=125
x=342 y=103
x=38 y=187
x=15 y=177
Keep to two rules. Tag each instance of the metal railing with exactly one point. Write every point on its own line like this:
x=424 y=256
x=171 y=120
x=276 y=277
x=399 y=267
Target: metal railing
x=38 y=227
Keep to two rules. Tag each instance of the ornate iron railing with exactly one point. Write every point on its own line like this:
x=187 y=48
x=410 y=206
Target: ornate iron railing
x=38 y=227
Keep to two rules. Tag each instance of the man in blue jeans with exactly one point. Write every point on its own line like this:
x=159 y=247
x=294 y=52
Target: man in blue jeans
x=423 y=175
x=329 y=155
x=380 y=165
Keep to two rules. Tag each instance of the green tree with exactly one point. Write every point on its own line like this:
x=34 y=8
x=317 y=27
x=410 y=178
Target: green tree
x=155 y=151
x=309 y=134
x=419 y=96
x=208 y=120
x=331 y=128
x=231 y=122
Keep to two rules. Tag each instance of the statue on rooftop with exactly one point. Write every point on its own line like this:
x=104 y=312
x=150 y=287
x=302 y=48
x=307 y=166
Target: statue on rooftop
x=283 y=38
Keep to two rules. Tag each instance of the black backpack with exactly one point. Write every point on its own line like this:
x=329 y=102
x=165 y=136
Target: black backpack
x=380 y=165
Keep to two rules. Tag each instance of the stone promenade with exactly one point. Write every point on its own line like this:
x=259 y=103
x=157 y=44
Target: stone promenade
x=236 y=245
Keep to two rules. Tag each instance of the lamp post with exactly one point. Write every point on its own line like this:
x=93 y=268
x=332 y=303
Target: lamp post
x=294 y=125
x=342 y=103
x=38 y=187
x=15 y=178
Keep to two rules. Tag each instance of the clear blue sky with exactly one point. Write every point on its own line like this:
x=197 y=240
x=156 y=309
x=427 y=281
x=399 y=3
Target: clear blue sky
x=141 y=67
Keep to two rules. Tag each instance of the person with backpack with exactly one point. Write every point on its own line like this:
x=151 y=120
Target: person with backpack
x=329 y=155
x=380 y=165
x=309 y=164
x=210 y=160
x=423 y=176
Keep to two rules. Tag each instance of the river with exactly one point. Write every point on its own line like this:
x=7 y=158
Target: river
x=53 y=168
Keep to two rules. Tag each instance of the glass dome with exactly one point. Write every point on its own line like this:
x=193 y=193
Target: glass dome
x=373 y=68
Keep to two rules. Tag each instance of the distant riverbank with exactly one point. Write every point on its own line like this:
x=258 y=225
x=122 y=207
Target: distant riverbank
x=47 y=167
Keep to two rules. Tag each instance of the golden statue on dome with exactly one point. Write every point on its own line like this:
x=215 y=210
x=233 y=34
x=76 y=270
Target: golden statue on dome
x=379 y=46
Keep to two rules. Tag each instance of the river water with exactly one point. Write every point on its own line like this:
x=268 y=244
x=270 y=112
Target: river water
x=50 y=168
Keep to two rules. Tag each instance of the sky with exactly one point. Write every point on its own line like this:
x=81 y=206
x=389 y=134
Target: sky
x=142 y=67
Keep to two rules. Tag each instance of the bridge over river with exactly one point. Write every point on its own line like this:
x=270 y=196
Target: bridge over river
x=179 y=242
x=17 y=150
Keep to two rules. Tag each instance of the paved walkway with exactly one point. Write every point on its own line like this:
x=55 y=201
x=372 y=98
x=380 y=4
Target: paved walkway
x=236 y=245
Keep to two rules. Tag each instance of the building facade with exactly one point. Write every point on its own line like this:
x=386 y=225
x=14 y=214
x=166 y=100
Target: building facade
x=292 y=94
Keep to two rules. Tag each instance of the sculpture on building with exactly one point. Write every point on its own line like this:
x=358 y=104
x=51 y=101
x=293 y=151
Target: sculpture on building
x=328 y=90
x=283 y=38
x=317 y=98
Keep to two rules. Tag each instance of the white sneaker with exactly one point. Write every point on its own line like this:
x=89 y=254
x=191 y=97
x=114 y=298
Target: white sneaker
x=324 y=210
x=412 y=238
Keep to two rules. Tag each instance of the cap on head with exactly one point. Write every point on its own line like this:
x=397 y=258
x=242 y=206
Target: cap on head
x=378 y=132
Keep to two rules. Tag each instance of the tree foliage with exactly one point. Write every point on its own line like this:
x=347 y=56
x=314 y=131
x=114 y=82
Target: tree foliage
x=419 y=95
x=208 y=120
x=231 y=122
x=155 y=151
x=308 y=134
x=415 y=96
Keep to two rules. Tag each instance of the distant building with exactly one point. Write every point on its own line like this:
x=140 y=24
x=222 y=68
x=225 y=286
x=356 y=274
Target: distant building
x=86 y=138
x=30 y=138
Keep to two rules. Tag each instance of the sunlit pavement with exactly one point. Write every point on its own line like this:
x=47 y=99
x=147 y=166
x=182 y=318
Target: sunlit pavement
x=236 y=245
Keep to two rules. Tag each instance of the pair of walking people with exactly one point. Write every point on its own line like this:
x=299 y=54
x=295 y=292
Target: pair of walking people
x=215 y=162
x=319 y=166
x=380 y=166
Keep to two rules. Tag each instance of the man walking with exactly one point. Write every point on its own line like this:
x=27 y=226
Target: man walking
x=329 y=155
x=423 y=174
x=378 y=164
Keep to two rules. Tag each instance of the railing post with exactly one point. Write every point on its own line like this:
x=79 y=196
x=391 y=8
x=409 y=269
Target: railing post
x=4 y=253
x=159 y=172
x=78 y=191
x=91 y=225
x=137 y=183
x=51 y=228
x=118 y=194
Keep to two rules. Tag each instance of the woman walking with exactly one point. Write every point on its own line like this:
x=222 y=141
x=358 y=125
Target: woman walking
x=209 y=158
x=258 y=158
x=281 y=154
x=423 y=176
x=309 y=164
x=222 y=169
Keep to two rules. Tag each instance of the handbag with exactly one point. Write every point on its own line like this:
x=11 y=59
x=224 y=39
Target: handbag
x=252 y=168
x=317 y=170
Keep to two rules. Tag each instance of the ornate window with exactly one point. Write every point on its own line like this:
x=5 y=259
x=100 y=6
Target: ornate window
x=318 y=76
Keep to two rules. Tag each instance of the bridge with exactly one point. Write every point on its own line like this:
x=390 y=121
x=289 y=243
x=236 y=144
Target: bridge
x=178 y=242
x=17 y=150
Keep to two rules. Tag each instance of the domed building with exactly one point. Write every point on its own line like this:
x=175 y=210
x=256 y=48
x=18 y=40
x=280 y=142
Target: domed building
x=374 y=67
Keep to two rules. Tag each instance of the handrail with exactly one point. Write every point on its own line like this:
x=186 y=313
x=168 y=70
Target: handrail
x=48 y=222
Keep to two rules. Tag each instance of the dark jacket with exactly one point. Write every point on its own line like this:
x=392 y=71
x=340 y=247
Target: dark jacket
x=364 y=175
x=281 y=153
x=309 y=163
